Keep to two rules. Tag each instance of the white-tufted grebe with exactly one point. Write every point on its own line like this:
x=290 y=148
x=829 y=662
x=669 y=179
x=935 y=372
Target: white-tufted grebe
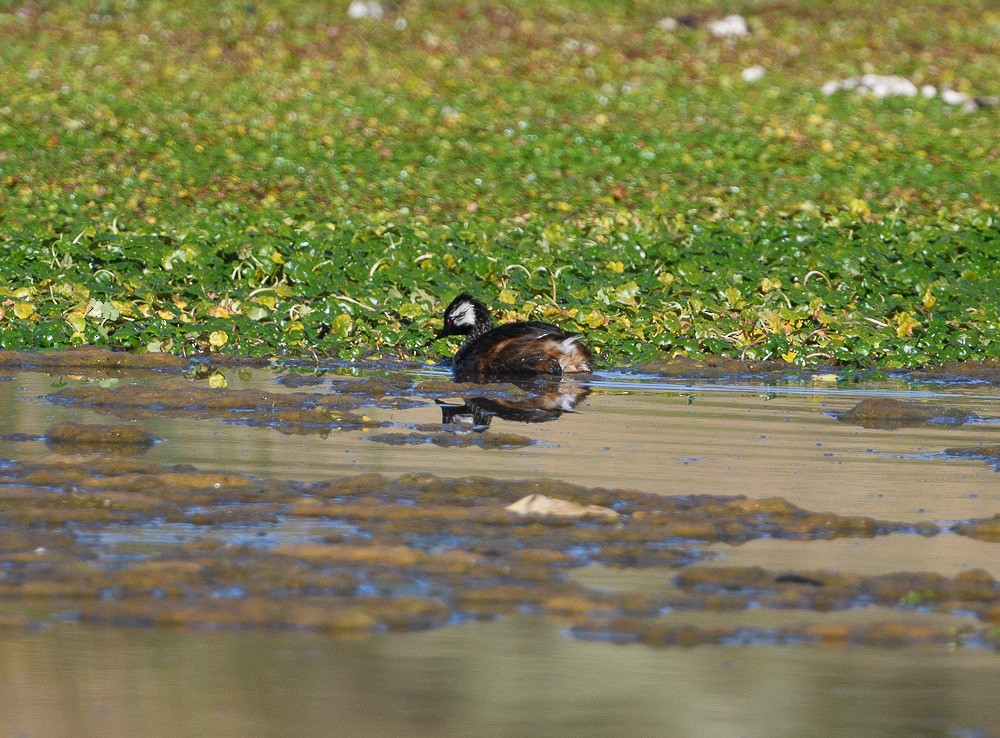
x=522 y=349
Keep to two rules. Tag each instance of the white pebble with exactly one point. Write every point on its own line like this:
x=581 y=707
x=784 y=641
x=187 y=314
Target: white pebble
x=954 y=97
x=729 y=27
x=365 y=9
x=879 y=85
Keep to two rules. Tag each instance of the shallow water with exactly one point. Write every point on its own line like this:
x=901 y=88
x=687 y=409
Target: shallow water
x=665 y=437
x=529 y=675
x=521 y=676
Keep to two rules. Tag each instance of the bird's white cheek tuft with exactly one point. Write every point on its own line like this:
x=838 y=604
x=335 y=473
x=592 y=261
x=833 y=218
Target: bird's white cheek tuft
x=464 y=314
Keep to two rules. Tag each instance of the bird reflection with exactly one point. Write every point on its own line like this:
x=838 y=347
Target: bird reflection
x=548 y=401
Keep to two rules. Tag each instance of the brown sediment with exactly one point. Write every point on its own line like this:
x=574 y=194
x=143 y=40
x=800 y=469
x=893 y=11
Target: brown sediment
x=972 y=591
x=712 y=367
x=70 y=437
x=889 y=414
x=985 y=529
x=494 y=390
x=987 y=370
x=447 y=439
x=229 y=361
x=989 y=453
x=887 y=634
x=89 y=358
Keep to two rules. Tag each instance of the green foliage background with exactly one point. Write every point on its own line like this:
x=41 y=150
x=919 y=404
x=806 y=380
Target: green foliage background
x=277 y=178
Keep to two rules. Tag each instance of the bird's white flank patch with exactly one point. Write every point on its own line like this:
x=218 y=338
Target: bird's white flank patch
x=569 y=343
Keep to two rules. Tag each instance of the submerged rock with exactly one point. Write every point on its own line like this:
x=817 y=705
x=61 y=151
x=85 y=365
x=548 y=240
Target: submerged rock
x=890 y=414
x=81 y=437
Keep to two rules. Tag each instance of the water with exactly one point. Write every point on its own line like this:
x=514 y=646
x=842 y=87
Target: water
x=520 y=676
x=528 y=675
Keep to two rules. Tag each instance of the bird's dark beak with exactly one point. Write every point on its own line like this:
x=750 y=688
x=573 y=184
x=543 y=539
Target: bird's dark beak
x=446 y=331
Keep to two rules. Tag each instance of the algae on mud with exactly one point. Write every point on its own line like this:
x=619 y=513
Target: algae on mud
x=408 y=553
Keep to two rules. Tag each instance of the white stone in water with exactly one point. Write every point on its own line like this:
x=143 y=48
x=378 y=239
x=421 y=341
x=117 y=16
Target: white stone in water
x=752 y=74
x=667 y=24
x=729 y=27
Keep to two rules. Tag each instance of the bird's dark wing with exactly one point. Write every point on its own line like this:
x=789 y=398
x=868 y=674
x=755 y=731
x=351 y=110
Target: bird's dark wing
x=525 y=329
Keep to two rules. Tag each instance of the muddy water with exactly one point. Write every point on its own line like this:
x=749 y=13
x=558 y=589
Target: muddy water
x=600 y=660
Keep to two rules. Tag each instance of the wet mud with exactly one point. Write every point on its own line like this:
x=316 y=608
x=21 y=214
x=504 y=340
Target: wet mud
x=716 y=367
x=718 y=589
x=94 y=532
x=987 y=370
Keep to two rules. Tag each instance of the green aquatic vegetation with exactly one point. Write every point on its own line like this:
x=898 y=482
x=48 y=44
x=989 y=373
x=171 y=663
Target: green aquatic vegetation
x=235 y=178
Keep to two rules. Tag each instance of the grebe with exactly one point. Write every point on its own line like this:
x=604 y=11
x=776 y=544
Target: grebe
x=522 y=349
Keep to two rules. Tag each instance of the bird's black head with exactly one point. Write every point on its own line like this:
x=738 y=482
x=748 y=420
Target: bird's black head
x=464 y=315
